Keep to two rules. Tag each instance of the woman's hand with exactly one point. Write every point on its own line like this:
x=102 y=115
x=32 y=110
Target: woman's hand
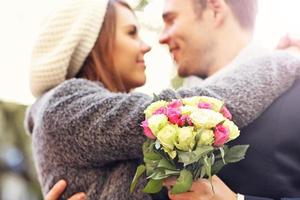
x=290 y=43
x=202 y=190
x=58 y=189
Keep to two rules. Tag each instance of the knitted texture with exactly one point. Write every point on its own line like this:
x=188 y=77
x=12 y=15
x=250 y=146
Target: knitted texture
x=64 y=42
x=92 y=137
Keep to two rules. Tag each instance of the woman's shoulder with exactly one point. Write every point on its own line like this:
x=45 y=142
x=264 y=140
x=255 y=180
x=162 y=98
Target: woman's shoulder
x=78 y=86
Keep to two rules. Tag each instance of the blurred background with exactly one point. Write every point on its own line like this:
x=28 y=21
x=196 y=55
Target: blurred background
x=20 y=21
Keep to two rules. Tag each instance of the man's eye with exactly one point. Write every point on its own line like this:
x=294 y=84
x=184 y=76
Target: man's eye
x=170 y=20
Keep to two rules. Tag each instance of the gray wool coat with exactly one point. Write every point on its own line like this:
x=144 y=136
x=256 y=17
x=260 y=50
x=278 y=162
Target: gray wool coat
x=92 y=137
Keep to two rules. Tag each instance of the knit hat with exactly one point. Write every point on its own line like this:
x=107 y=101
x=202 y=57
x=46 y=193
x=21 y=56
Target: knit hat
x=65 y=41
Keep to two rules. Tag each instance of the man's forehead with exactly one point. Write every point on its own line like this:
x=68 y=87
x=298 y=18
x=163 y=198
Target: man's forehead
x=175 y=6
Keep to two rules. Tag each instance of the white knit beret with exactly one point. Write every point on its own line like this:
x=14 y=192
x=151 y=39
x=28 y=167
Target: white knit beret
x=66 y=39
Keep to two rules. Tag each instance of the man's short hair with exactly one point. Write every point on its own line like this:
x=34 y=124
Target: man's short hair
x=244 y=10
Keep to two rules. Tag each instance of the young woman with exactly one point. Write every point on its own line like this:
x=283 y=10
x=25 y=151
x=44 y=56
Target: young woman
x=85 y=124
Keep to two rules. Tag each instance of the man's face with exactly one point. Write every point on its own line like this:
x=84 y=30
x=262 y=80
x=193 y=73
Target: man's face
x=189 y=35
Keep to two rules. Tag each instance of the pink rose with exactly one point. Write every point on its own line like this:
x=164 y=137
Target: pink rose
x=147 y=131
x=175 y=104
x=161 y=110
x=184 y=119
x=226 y=113
x=221 y=134
x=173 y=115
x=205 y=106
x=181 y=121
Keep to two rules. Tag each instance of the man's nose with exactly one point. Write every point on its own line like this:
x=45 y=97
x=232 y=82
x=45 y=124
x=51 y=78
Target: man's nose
x=164 y=37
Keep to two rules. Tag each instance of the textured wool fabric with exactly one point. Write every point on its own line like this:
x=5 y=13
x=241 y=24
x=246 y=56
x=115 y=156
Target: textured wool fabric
x=64 y=42
x=92 y=137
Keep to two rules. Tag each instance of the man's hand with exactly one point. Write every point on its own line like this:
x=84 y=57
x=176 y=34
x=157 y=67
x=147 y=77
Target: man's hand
x=202 y=190
x=58 y=189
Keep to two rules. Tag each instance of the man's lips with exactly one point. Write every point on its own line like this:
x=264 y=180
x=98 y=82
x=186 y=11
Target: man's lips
x=174 y=51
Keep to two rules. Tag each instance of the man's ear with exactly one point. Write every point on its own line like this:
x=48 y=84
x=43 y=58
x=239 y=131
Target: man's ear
x=220 y=10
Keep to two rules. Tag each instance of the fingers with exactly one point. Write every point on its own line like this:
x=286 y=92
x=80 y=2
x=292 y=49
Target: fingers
x=288 y=41
x=78 y=196
x=57 y=190
x=284 y=42
x=185 y=196
x=169 y=182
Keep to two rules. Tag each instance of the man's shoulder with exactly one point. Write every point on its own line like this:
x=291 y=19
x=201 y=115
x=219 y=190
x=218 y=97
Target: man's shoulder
x=277 y=57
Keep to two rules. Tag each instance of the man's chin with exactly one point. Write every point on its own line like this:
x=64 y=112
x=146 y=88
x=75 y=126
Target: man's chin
x=182 y=72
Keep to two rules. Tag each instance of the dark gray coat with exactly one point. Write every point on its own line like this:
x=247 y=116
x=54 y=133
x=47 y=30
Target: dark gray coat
x=272 y=167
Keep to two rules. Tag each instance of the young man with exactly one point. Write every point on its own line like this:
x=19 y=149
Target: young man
x=207 y=37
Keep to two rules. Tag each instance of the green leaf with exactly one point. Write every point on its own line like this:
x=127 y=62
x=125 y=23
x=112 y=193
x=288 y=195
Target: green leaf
x=152 y=156
x=158 y=175
x=222 y=154
x=139 y=171
x=236 y=153
x=151 y=166
x=163 y=163
x=217 y=166
x=203 y=172
x=191 y=157
x=183 y=183
x=148 y=146
x=207 y=166
x=153 y=186
x=172 y=172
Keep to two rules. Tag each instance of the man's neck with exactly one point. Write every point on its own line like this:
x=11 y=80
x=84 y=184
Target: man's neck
x=229 y=47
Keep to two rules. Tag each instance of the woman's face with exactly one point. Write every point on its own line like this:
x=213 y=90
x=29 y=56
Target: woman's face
x=129 y=50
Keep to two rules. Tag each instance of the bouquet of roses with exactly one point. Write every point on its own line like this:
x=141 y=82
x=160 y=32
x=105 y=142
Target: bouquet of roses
x=186 y=139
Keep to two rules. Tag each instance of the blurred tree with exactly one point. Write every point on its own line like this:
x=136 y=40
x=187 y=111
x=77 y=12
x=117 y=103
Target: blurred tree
x=18 y=180
x=141 y=4
x=15 y=152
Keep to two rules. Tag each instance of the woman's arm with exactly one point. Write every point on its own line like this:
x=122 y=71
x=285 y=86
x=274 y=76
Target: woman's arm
x=251 y=87
x=106 y=126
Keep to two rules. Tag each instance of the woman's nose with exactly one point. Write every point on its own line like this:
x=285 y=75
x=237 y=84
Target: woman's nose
x=145 y=47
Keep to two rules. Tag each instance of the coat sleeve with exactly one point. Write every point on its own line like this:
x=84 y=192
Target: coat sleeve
x=256 y=198
x=250 y=88
x=106 y=126
x=247 y=197
x=96 y=125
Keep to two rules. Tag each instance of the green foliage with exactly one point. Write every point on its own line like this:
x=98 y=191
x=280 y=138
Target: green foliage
x=141 y=4
x=140 y=170
x=188 y=158
x=203 y=162
x=13 y=135
x=153 y=186
x=177 y=82
x=183 y=183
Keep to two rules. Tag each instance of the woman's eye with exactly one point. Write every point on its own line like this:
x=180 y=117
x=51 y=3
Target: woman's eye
x=133 y=32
